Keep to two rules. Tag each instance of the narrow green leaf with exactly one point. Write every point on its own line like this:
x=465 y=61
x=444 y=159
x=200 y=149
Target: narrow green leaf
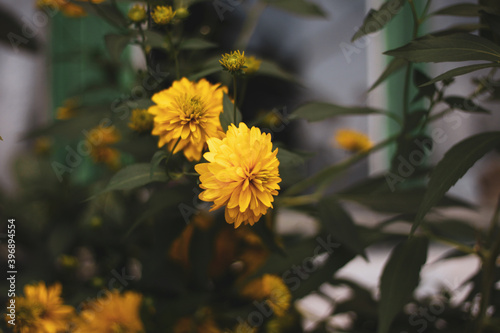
x=133 y=176
x=458 y=28
x=456 y=47
x=196 y=44
x=227 y=117
x=288 y=158
x=399 y=279
x=464 y=104
x=420 y=78
x=455 y=163
x=460 y=71
x=115 y=45
x=340 y=224
x=317 y=111
x=269 y=68
x=158 y=157
x=395 y=65
x=301 y=7
x=377 y=19
x=461 y=9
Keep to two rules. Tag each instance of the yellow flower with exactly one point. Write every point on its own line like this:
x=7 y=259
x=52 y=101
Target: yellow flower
x=99 y=139
x=163 y=14
x=241 y=174
x=113 y=313
x=141 y=120
x=41 y=310
x=188 y=113
x=352 y=140
x=252 y=65
x=182 y=13
x=273 y=290
x=68 y=109
x=233 y=62
x=137 y=13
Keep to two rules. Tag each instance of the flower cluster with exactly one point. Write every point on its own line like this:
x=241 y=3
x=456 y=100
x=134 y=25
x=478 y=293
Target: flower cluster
x=163 y=14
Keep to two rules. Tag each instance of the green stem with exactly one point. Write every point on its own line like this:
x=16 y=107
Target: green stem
x=235 y=98
x=174 y=52
x=243 y=91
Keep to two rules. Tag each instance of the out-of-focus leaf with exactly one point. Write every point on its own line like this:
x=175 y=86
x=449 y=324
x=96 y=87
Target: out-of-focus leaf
x=395 y=65
x=400 y=277
x=268 y=237
x=12 y=34
x=317 y=111
x=455 y=163
x=288 y=158
x=461 y=9
x=338 y=223
x=456 y=47
x=115 y=45
x=377 y=19
x=155 y=39
x=301 y=7
x=196 y=44
x=269 y=68
x=458 y=28
x=493 y=21
x=461 y=71
x=460 y=231
x=464 y=104
x=158 y=157
x=227 y=117
x=205 y=72
x=133 y=176
x=107 y=11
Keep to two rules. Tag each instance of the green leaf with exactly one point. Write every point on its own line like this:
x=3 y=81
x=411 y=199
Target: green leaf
x=464 y=104
x=458 y=28
x=455 y=163
x=205 y=72
x=317 y=111
x=158 y=157
x=133 y=176
x=269 y=68
x=288 y=158
x=155 y=39
x=115 y=45
x=460 y=71
x=227 y=117
x=461 y=9
x=196 y=44
x=395 y=65
x=377 y=19
x=301 y=7
x=420 y=78
x=456 y=47
x=338 y=223
x=400 y=277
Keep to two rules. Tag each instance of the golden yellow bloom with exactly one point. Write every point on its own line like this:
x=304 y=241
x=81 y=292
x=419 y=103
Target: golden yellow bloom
x=137 y=13
x=233 y=62
x=141 y=120
x=113 y=313
x=352 y=140
x=188 y=112
x=241 y=174
x=100 y=138
x=252 y=65
x=163 y=14
x=273 y=290
x=41 y=310
x=68 y=109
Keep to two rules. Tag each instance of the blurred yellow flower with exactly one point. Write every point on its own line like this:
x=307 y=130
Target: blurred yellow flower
x=67 y=8
x=68 y=109
x=352 y=140
x=41 y=310
x=100 y=138
x=233 y=62
x=273 y=290
x=252 y=65
x=141 y=120
x=67 y=261
x=163 y=14
x=188 y=114
x=137 y=13
x=42 y=145
x=241 y=174
x=112 y=313
x=181 y=13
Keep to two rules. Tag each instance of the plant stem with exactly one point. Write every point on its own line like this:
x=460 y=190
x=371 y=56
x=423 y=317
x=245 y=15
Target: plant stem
x=174 y=51
x=235 y=99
